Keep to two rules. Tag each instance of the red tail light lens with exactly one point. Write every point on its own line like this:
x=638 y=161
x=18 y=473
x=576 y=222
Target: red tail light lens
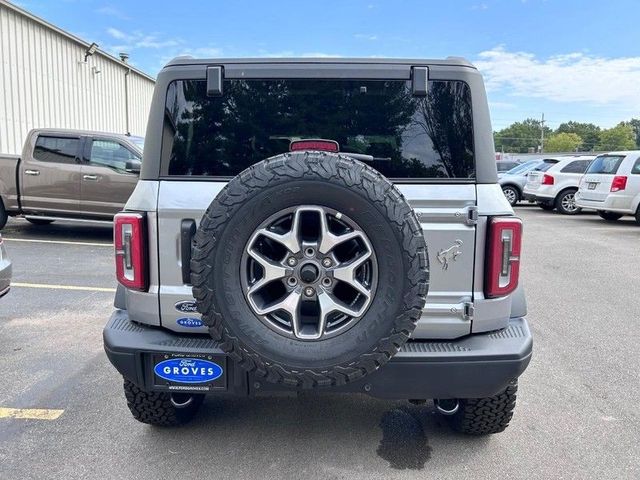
x=130 y=242
x=547 y=179
x=619 y=183
x=503 y=256
x=323 y=145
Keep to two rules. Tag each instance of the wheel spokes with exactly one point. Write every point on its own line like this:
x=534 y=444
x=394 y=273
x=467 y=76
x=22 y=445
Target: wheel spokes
x=329 y=240
x=290 y=239
x=271 y=271
x=347 y=274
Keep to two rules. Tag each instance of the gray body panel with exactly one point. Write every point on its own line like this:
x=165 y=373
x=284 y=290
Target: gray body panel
x=53 y=189
x=453 y=214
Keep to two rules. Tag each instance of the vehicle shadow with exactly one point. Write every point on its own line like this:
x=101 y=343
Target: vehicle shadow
x=343 y=431
x=59 y=230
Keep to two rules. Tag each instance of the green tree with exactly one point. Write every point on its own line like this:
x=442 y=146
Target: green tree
x=589 y=133
x=519 y=137
x=635 y=124
x=563 y=142
x=620 y=137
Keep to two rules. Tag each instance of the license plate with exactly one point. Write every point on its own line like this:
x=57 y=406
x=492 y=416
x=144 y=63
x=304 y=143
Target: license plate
x=197 y=372
x=592 y=186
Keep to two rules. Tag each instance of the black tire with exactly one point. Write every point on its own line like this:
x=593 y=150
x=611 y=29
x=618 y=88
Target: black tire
x=565 y=197
x=484 y=416
x=547 y=207
x=332 y=181
x=4 y=216
x=609 y=216
x=512 y=194
x=638 y=215
x=157 y=408
x=39 y=221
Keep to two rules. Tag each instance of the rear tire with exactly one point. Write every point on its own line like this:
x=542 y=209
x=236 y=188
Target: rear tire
x=159 y=408
x=485 y=416
x=609 y=216
x=546 y=206
x=39 y=221
x=566 y=202
x=512 y=194
x=638 y=215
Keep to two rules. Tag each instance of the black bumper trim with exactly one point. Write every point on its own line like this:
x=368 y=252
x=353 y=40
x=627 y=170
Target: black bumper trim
x=478 y=365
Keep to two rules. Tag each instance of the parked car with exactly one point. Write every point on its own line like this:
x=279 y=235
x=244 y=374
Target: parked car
x=69 y=174
x=611 y=185
x=554 y=183
x=505 y=165
x=260 y=259
x=513 y=181
x=5 y=270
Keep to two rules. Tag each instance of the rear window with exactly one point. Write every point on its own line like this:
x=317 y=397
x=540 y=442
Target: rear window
x=407 y=136
x=577 y=166
x=545 y=165
x=608 y=164
x=56 y=149
x=506 y=166
x=635 y=170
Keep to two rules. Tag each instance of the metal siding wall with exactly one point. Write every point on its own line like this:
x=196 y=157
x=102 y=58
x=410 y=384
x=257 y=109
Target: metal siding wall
x=42 y=84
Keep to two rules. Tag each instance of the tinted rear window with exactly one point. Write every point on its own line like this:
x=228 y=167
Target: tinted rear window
x=545 y=165
x=409 y=136
x=506 y=166
x=56 y=149
x=606 y=164
x=577 y=166
x=635 y=170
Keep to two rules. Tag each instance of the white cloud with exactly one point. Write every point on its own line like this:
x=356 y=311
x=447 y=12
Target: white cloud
x=138 y=39
x=365 y=36
x=573 y=77
x=480 y=6
x=111 y=11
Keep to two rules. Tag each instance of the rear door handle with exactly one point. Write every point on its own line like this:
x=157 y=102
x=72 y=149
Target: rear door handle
x=90 y=177
x=32 y=172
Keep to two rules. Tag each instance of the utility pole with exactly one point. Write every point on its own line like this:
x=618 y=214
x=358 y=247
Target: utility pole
x=542 y=134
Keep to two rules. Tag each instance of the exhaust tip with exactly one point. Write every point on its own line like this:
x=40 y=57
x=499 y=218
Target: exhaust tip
x=180 y=400
x=448 y=406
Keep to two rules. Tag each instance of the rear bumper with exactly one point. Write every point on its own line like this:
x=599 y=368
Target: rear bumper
x=536 y=197
x=610 y=204
x=478 y=365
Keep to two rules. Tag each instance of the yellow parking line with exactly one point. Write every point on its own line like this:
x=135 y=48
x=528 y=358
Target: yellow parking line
x=62 y=287
x=30 y=413
x=60 y=242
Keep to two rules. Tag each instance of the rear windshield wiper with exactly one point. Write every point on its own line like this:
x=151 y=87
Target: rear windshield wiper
x=366 y=158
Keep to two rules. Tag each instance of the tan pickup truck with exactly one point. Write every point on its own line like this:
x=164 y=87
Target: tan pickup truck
x=69 y=174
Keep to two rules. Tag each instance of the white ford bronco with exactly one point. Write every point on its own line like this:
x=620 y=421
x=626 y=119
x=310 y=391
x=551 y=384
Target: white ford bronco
x=329 y=225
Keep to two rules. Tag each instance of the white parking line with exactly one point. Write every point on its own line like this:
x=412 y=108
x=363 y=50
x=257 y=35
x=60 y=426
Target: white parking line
x=62 y=287
x=61 y=242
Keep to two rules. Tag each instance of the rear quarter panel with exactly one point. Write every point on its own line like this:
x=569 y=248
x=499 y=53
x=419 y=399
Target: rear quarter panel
x=8 y=181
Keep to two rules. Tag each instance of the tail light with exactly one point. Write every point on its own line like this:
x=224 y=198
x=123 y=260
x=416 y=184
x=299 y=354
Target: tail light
x=503 y=256
x=316 y=144
x=129 y=239
x=619 y=183
x=547 y=179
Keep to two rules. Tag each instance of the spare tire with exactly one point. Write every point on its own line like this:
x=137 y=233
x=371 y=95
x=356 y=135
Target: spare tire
x=310 y=269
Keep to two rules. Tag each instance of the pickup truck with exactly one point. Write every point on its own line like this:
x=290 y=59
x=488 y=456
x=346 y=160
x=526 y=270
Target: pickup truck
x=69 y=174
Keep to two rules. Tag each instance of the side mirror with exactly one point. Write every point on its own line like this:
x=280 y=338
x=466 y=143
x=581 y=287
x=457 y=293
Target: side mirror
x=133 y=165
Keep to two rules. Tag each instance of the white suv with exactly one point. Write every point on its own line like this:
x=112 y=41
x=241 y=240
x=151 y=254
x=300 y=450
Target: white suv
x=611 y=185
x=553 y=183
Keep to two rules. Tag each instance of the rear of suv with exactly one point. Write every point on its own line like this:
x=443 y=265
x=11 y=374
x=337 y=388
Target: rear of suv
x=554 y=183
x=327 y=225
x=611 y=186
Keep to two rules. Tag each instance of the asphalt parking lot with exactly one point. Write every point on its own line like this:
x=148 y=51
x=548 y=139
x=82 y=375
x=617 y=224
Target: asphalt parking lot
x=577 y=414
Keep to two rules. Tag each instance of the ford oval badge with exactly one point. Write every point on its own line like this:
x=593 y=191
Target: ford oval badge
x=186 y=306
x=188 y=370
x=189 y=322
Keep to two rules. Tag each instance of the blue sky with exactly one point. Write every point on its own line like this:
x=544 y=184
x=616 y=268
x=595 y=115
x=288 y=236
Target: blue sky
x=570 y=59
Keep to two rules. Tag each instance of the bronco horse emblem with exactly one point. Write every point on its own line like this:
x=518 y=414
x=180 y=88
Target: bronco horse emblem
x=449 y=254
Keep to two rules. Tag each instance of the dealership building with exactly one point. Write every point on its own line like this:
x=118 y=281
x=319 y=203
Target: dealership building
x=50 y=78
